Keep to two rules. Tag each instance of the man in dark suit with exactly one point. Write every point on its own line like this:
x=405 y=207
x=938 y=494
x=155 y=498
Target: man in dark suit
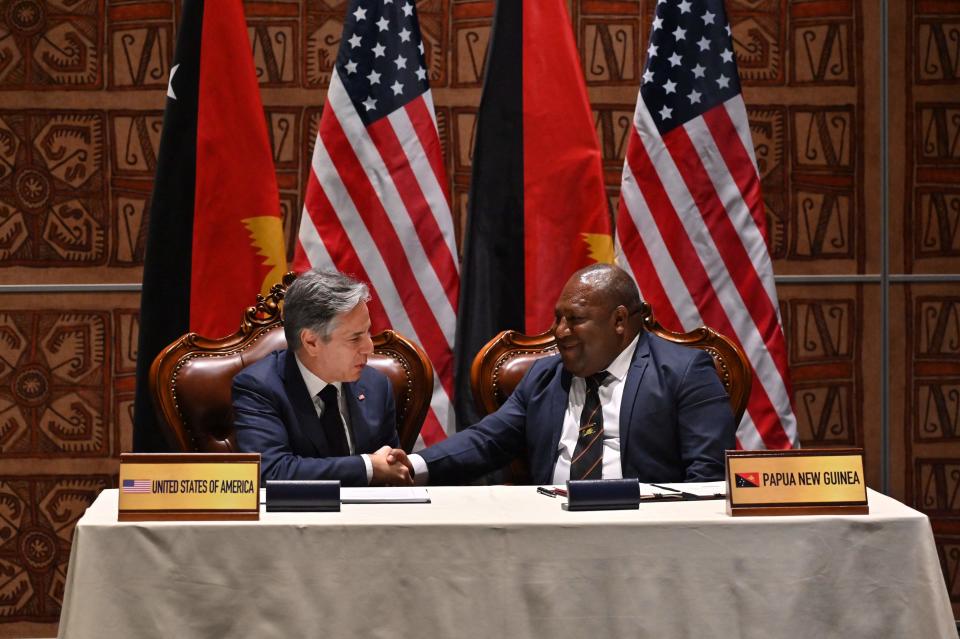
x=616 y=402
x=315 y=410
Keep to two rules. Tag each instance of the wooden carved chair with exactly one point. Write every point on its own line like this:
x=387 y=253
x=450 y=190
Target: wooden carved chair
x=190 y=380
x=502 y=362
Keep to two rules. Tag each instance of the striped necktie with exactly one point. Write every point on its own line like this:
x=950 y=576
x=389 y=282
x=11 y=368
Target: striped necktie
x=587 y=462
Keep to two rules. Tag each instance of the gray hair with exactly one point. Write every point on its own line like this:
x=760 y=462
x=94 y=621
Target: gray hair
x=315 y=300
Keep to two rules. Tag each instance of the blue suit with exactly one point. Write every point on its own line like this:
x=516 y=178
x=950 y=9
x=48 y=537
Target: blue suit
x=675 y=421
x=275 y=416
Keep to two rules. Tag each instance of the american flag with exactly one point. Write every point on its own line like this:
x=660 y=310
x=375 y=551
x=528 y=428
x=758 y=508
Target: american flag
x=136 y=486
x=691 y=224
x=376 y=205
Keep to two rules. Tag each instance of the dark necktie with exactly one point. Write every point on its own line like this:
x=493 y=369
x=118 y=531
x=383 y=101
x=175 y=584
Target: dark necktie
x=587 y=462
x=332 y=422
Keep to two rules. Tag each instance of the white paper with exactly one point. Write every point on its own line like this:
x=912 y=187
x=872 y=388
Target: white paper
x=700 y=489
x=385 y=495
x=659 y=491
x=398 y=495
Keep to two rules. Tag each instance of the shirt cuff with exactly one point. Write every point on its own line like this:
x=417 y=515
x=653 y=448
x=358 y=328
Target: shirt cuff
x=420 y=473
x=369 y=466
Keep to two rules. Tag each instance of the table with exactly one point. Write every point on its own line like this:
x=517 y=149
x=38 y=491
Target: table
x=503 y=561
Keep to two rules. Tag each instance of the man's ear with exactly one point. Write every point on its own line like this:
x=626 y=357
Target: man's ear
x=310 y=341
x=620 y=317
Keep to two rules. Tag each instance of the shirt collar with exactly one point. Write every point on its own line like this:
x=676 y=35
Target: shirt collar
x=314 y=384
x=621 y=364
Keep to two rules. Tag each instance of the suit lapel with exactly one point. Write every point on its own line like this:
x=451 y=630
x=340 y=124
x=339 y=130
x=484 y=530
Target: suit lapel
x=628 y=402
x=358 y=417
x=556 y=406
x=303 y=406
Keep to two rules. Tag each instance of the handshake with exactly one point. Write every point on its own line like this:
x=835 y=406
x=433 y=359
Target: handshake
x=391 y=467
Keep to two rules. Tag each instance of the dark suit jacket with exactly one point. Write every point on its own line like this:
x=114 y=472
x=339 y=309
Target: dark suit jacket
x=675 y=421
x=274 y=416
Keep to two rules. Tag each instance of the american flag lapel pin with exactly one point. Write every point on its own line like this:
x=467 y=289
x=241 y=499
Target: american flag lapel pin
x=361 y=397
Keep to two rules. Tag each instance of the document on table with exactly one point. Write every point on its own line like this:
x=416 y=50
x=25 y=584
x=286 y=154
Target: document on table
x=382 y=495
x=700 y=490
x=656 y=492
x=385 y=495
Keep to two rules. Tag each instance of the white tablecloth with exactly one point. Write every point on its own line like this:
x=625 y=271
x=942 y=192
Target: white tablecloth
x=504 y=561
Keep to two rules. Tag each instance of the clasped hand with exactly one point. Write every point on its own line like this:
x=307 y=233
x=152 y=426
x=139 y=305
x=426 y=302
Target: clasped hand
x=391 y=467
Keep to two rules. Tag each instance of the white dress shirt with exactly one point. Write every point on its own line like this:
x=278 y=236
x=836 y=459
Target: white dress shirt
x=314 y=386
x=610 y=393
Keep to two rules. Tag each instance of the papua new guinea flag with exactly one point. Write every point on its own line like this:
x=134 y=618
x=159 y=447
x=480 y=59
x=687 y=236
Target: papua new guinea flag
x=537 y=210
x=215 y=237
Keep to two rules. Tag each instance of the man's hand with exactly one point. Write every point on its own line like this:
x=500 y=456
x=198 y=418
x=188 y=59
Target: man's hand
x=391 y=467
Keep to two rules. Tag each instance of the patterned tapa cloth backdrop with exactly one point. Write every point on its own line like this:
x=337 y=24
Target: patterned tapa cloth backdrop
x=83 y=87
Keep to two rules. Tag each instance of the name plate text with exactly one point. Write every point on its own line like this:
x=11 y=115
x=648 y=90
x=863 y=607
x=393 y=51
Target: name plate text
x=796 y=482
x=189 y=486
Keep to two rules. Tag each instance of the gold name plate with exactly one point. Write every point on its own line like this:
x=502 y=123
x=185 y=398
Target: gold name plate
x=796 y=482
x=167 y=486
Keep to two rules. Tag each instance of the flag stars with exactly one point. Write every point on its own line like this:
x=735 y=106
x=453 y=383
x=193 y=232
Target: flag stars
x=360 y=14
x=383 y=24
x=704 y=44
x=694 y=97
x=407 y=9
x=354 y=41
x=657 y=23
x=674 y=60
x=420 y=46
x=401 y=62
x=684 y=6
x=421 y=74
x=679 y=34
x=727 y=56
x=670 y=86
x=379 y=51
x=350 y=66
x=397 y=87
x=370 y=104
x=405 y=35
x=373 y=77
x=698 y=70
x=648 y=75
x=729 y=31
x=651 y=50
x=708 y=18
x=665 y=113
x=723 y=81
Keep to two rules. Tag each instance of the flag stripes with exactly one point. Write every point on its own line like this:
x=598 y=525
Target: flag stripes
x=424 y=123
x=671 y=235
x=376 y=205
x=740 y=163
x=691 y=221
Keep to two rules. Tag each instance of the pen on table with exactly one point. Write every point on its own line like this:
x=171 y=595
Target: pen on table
x=671 y=492
x=552 y=492
x=666 y=488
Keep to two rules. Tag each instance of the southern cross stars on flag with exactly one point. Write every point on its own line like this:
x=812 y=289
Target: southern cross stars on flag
x=382 y=67
x=376 y=205
x=690 y=66
x=691 y=223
